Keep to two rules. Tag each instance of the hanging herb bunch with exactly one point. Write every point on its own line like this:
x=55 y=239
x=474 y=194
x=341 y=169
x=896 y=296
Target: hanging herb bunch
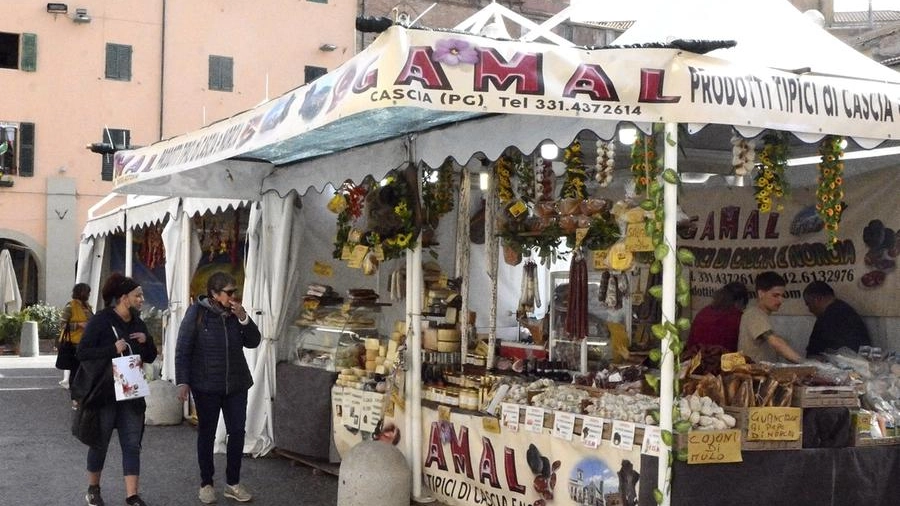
x=644 y=167
x=830 y=189
x=576 y=174
x=437 y=192
x=524 y=172
x=769 y=183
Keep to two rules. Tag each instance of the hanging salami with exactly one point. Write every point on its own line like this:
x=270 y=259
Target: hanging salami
x=577 y=315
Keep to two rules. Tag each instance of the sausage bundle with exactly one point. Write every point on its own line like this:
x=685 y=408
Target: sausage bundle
x=577 y=315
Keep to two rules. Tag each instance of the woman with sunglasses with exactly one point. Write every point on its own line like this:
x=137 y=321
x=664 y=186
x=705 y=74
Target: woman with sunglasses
x=210 y=365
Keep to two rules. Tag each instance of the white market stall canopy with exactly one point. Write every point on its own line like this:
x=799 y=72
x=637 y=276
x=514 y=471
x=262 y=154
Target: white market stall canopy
x=403 y=97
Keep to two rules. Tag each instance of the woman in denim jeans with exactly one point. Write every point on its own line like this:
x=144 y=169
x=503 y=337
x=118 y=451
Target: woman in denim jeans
x=116 y=330
x=210 y=364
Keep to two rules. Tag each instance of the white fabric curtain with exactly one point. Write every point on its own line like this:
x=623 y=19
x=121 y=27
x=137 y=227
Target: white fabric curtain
x=182 y=255
x=271 y=273
x=90 y=265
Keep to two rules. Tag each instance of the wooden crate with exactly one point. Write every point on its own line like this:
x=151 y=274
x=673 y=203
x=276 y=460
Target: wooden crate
x=742 y=418
x=825 y=397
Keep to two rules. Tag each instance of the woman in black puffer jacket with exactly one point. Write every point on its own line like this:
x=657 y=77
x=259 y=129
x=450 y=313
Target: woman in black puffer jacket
x=210 y=364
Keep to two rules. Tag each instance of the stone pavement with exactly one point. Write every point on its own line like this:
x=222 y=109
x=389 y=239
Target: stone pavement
x=42 y=464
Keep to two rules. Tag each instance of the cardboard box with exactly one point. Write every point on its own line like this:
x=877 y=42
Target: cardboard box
x=825 y=397
x=764 y=429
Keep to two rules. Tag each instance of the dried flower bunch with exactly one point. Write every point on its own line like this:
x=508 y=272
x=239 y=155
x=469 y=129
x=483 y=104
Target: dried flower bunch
x=769 y=184
x=830 y=189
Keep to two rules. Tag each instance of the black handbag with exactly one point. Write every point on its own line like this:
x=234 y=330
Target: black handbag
x=65 y=351
x=92 y=383
x=86 y=424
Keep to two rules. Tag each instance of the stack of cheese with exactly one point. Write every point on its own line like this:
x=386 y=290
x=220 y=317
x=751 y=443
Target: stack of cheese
x=352 y=377
x=444 y=339
x=392 y=353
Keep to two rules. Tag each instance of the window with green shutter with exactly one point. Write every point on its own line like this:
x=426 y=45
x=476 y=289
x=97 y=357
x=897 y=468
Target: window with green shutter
x=119 y=139
x=29 y=52
x=26 y=149
x=221 y=73
x=118 y=62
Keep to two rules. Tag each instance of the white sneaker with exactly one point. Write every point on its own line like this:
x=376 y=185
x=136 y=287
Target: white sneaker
x=207 y=494
x=238 y=492
x=64 y=384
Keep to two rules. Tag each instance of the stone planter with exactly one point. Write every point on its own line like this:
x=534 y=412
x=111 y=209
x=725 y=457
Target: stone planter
x=28 y=342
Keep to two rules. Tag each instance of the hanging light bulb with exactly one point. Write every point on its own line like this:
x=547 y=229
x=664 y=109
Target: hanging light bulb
x=627 y=135
x=484 y=181
x=549 y=151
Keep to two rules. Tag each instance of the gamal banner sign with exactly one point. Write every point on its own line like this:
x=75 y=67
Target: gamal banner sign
x=733 y=241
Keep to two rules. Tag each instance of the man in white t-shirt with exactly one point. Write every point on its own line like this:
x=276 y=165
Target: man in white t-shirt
x=757 y=339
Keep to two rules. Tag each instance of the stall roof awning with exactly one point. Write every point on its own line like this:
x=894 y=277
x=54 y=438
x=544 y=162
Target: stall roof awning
x=412 y=81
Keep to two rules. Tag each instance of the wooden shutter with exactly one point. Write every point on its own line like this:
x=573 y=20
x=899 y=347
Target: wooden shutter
x=221 y=73
x=26 y=149
x=118 y=62
x=28 y=62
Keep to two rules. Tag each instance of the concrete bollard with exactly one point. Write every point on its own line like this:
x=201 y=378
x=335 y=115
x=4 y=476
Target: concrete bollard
x=163 y=406
x=374 y=473
x=28 y=339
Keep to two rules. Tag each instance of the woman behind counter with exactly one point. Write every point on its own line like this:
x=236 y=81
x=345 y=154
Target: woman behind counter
x=719 y=323
x=117 y=329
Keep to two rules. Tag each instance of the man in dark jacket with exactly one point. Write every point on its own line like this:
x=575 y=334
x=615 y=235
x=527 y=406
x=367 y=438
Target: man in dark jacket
x=210 y=364
x=837 y=323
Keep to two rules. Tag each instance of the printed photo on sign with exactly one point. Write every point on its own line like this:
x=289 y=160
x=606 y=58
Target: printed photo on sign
x=510 y=416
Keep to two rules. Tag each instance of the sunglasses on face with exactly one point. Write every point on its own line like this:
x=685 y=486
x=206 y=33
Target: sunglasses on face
x=230 y=292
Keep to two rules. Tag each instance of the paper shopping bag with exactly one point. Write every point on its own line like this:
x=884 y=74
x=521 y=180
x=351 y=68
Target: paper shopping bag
x=128 y=376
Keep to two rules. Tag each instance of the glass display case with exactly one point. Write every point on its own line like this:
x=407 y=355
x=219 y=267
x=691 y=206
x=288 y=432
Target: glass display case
x=609 y=311
x=331 y=348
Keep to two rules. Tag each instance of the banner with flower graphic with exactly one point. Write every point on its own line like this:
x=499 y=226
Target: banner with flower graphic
x=410 y=80
x=734 y=241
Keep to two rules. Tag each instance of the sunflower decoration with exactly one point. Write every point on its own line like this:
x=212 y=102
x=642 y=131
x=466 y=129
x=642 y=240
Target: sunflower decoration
x=391 y=210
x=576 y=174
x=770 y=184
x=830 y=189
x=644 y=166
x=503 y=170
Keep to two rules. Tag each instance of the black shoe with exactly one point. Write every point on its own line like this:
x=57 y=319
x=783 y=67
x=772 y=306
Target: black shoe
x=135 y=500
x=92 y=497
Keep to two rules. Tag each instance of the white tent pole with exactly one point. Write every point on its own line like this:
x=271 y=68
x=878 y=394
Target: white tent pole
x=129 y=248
x=415 y=349
x=667 y=365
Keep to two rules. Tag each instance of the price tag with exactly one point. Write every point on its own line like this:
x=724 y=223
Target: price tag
x=600 y=259
x=591 y=431
x=650 y=444
x=323 y=269
x=516 y=208
x=714 y=446
x=534 y=419
x=636 y=238
x=490 y=424
x=563 y=425
x=356 y=258
x=622 y=435
x=773 y=424
x=509 y=413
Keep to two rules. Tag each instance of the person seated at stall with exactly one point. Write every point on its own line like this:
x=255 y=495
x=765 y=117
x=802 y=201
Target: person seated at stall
x=837 y=323
x=718 y=324
x=757 y=339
